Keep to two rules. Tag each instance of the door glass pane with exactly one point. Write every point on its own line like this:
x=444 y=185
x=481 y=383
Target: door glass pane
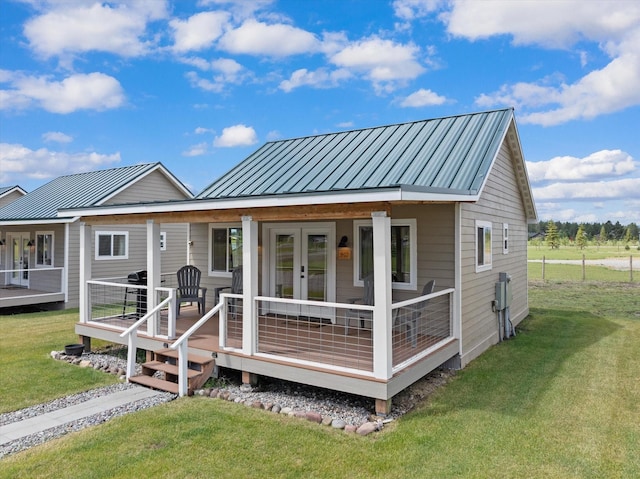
x=317 y=267
x=284 y=265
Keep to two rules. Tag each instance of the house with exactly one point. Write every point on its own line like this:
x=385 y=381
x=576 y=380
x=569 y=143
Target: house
x=40 y=252
x=10 y=193
x=311 y=223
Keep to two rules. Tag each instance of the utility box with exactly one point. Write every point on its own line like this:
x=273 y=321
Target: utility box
x=503 y=292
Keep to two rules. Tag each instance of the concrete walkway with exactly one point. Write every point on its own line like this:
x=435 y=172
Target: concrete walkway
x=59 y=417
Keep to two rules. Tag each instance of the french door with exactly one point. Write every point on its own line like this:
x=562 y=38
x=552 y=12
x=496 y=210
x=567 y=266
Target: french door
x=19 y=259
x=301 y=265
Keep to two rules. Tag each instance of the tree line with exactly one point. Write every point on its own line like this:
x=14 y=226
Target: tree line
x=591 y=231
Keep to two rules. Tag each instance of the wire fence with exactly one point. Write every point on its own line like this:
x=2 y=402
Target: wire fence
x=606 y=270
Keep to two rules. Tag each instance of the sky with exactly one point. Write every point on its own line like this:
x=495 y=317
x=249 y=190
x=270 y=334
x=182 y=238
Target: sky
x=200 y=85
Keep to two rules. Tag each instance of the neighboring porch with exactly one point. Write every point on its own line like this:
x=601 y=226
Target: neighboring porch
x=23 y=287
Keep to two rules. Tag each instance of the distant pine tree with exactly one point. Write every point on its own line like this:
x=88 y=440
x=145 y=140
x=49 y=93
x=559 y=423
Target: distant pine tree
x=581 y=237
x=553 y=240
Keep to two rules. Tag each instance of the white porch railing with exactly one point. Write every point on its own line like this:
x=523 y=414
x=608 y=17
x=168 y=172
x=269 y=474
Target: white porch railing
x=420 y=325
x=131 y=333
x=114 y=304
x=339 y=336
x=182 y=345
x=31 y=282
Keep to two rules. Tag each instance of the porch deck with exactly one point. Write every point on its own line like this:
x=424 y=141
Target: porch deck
x=11 y=296
x=309 y=351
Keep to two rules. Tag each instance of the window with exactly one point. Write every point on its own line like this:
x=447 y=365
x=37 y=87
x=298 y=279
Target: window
x=225 y=251
x=112 y=245
x=483 y=246
x=44 y=248
x=163 y=241
x=403 y=252
x=505 y=238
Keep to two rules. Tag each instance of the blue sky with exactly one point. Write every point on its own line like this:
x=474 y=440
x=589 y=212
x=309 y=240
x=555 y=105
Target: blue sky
x=199 y=85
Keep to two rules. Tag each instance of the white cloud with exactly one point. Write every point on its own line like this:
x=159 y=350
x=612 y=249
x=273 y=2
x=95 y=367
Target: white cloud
x=551 y=24
x=613 y=26
x=275 y=40
x=92 y=91
x=421 y=98
x=601 y=164
x=384 y=62
x=412 y=9
x=57 y=136
x=18 y=163
x=225 y=71
x=345 y=124
x=67 y=28
x=237 y=135
x=196 y=150
x=320 y=78
x=201 y=130
x=198 y=31
x=596 y=190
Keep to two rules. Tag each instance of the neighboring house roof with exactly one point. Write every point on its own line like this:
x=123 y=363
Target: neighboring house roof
x=443 y=159
x=81 y=190
x=444 y=155
x=5 y=190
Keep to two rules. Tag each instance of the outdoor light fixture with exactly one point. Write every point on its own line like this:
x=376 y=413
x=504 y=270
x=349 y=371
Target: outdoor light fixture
x=2 y=242
x=32 y=245
x=344 y=251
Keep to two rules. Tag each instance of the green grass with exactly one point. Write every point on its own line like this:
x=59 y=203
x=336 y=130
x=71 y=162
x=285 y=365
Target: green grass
x=29 y=375
x=559 y=400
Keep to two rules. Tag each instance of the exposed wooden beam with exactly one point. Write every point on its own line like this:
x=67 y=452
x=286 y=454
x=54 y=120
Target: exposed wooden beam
x=287 y=213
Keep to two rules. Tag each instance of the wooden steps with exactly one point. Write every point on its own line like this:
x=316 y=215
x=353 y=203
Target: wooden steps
x=162 y=372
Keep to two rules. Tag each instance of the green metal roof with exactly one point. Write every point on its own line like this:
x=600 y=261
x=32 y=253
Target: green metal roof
x=445 y=155
x=73 y=191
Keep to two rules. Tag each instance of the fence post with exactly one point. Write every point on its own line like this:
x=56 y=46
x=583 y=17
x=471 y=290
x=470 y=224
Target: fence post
x=631 y=268
x=543 y=263
x=584 y=272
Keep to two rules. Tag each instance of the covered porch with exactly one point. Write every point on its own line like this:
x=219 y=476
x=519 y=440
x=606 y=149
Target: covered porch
x=374 y=350
x=23 y=287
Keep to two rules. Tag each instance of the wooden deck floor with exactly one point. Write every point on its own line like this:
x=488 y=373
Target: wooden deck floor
x=316 y=342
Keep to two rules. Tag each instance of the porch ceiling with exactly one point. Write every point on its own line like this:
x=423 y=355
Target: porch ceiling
x=270 y=213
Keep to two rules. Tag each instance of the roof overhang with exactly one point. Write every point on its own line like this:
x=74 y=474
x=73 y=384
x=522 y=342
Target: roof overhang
x=39 y=221
x=398 y=194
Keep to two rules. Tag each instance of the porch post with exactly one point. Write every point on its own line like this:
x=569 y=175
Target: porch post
x=153 y=273
x=249 y=283
x=85 y=272
x=382 y=360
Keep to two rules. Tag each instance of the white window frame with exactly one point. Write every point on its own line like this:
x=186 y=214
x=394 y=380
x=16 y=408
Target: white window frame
x=99 y=257
x=163 y=241
x=211 y=271
x=413 y=252
x=37 y=240
x=505 y=238
x=487 y=261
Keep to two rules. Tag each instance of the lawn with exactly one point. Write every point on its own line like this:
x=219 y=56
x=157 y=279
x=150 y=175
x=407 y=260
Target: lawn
x=29 y=375
x=559 y=400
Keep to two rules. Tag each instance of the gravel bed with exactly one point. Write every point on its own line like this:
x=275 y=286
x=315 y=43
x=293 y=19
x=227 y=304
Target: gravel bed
x=342 y=410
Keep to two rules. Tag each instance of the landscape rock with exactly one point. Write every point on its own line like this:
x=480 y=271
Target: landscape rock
x=367 y=428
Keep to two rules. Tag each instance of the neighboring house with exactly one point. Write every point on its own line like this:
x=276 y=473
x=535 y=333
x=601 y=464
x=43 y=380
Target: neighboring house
x=40 y=255
x=9 y=194
x=316 y=221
